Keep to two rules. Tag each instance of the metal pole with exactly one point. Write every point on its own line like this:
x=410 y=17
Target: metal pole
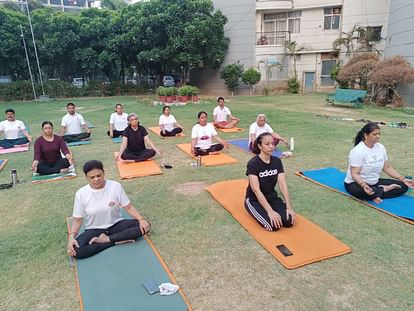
x=28 y=63
x=35 y=49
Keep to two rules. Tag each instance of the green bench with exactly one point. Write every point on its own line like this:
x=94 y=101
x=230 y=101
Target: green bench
x=347 y=97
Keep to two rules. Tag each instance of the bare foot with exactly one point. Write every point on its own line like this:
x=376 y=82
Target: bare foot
x=377 y=200
x=102 y=238
x=64 y=170
x=390 y=187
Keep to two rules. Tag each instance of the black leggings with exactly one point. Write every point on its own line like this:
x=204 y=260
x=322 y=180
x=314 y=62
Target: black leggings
x=116 y=133
x=126 y=229
x=46 y=168
x=173 y=132
x=138 y=156
x=355 y=190
x=213 y=148
x=255 y=209
x=71 y=138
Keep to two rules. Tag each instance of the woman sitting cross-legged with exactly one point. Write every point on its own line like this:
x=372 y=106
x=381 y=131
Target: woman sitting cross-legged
x=367 y=160
x=100 y=202
x=134 y=140
x=48 y=150
x=202 y=136
x=168 y=124
x=118 y=122
x=262 y=201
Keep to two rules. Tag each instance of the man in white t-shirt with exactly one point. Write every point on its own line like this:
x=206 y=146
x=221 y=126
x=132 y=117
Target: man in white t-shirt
x=14 y=131
x=259 y=127
x=72 y=124
x=223 y=117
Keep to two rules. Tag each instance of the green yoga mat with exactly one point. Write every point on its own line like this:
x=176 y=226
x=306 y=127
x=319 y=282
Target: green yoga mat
x=112 y=279
x=37 y=179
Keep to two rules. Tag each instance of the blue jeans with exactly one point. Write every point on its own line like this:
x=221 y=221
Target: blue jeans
x=10 y=143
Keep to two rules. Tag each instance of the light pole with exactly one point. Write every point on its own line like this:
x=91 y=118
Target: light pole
x=28 y=62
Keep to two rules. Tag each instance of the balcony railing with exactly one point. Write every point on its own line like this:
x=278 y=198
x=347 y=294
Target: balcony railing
x=272 y=37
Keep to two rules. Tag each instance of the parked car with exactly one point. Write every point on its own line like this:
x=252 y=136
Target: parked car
x=168 y=81
x=5 y=79
x=78 y=82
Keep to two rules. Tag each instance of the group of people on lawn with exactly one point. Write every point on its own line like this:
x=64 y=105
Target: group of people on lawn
x=101 y=200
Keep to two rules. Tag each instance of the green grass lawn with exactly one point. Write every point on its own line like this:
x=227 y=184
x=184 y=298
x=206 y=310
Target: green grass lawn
x=213 y=258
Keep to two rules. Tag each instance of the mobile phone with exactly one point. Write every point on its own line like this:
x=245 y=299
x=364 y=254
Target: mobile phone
x=284 y=250
x=150 y=286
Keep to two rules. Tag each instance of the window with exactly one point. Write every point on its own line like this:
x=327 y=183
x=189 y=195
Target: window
x=332 y=18
x=327 y=66
x=372 y=33
x=277 y=23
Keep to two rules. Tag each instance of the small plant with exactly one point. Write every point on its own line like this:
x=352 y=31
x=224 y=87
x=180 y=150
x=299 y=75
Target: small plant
x=293 y=85
x=162 y=91
x=183 y=91
x=251 y=77
x=169 y=91
x=266 y=91
x=193 y=90
x=231 y=75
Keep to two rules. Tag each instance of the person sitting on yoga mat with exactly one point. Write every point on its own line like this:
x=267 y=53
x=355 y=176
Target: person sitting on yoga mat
x=100 y=202
x=367 y=160
x=72 y=124
x=262 y=201
x=259 y=127
x=118 y=122
x=14 y=131
x=223 y=117
x=202 y=136
x=133 y=142
x=48 y=150
x=168 y=124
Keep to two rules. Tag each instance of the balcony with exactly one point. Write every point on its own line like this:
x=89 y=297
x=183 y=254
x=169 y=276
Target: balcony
x=274 y=4
x=272 y=38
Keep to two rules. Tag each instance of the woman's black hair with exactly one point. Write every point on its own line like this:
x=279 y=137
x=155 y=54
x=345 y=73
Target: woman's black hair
x=92 y=165
x=258 y=141
x=116 y=106
x=165 y=107
x=47 y=122
x=366 y=129
x=200 y=113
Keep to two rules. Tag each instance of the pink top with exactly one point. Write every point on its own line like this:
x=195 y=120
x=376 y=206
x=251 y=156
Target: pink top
x=49 y=151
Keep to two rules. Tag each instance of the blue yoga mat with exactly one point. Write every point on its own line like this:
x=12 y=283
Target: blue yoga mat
x=243 y=143
x=78 y=143
x=333 y=178
x=117 y=140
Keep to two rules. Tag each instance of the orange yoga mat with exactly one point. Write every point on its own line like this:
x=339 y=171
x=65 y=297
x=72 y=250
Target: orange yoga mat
x=230 y=130
x=3 y=163
x=156 y=130
x=211 y=159
x=306 y=241
x=137 y=169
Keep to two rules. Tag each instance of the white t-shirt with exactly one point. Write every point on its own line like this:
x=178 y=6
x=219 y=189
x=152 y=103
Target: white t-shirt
x=220 y=115
x=257 y=130
x=370 y=160
x=73 y=123
x=204 y=135
x=119 y=122
x=101 y=207
x=167 y=122
x=12 y=130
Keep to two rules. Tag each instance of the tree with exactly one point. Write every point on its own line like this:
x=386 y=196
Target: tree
x=292 y=50
x=346 y=40
x=387 y=75
x=356 y=71
x=251 y=77
x=231 y=75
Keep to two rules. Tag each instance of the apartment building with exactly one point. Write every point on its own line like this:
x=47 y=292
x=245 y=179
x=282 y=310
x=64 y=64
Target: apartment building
x=400 y=41
x=314 y=25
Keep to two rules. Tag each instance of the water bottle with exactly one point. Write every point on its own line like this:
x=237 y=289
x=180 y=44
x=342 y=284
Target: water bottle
x=199 y=161
x=14 y=177
x=292 y=144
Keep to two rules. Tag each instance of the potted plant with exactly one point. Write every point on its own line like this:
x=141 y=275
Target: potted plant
x=162 y=92
x=169 y=94
x=183 y=94
x=174 y=93
x=194 y=93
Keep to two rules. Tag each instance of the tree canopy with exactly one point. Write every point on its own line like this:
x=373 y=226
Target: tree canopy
x=151 y=37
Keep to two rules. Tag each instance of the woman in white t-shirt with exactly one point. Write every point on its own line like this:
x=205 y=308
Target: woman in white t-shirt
x=260 y=127
x=202 y=136
x=168 y=124
x=118 y=122
x=100 y=202
x=367 y=160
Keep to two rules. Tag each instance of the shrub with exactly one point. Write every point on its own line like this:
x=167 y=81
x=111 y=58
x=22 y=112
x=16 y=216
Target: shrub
x=251 y=77
x=293 y=85
x=231 y=75
x=356 y=71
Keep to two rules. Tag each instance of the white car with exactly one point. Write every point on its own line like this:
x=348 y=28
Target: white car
x=78 y=82
x=168 y=81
